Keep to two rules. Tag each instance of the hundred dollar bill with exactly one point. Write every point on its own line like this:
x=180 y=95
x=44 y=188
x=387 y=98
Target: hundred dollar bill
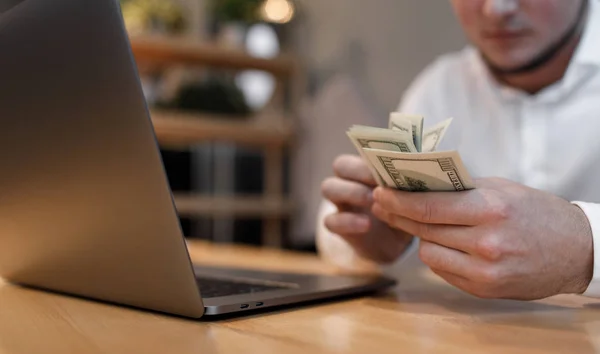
x=401 y=124
x=434 y=135
x=383 y=139
x=379 y=138
x=424 y=172
x=397 y=120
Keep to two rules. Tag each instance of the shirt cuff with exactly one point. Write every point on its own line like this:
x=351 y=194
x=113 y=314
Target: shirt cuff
x=592 y=212
x=334 y=250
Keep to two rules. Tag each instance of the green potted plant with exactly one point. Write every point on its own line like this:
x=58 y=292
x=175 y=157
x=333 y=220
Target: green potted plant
x=243 y=11
x=143 y=16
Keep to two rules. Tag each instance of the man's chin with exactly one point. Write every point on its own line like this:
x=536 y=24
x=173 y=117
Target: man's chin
x=506 y=66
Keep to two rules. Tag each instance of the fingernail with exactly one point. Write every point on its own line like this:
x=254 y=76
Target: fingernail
x=370 y=198
x=362 y=224
x=377 y=194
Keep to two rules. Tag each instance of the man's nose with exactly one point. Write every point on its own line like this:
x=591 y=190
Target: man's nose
x=500 y=8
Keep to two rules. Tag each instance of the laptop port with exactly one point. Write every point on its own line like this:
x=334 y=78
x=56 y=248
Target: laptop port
x=258 y=304
x=244 y=306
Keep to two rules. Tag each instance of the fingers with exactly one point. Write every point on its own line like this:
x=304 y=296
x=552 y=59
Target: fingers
x=347 y=223
x=347 y=193
x=481 y=290
x=448 y=260
x=362 y=234
x=451 y=236
x=466 y=272
x=472 y=207
x=353 y=168
x=455 y=280
x=353 y=186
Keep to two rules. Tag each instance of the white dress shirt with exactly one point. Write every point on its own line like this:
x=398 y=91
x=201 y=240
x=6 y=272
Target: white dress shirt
x=549 y=141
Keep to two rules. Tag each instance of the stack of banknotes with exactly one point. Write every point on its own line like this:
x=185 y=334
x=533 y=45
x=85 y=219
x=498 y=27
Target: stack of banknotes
x=404 y=156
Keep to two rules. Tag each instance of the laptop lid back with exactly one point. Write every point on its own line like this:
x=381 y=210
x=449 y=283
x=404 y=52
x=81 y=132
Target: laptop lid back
x=85 y=206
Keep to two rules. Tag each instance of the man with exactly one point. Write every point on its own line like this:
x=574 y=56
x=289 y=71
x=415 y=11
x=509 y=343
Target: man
x=526 y=101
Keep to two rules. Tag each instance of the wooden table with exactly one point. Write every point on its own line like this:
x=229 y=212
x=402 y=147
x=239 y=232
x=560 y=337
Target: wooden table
x=421 y=315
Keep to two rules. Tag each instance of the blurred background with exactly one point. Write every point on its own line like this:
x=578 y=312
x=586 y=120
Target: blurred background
x=251 y=99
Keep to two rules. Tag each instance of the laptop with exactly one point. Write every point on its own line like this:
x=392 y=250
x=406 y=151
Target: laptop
x=85 y=204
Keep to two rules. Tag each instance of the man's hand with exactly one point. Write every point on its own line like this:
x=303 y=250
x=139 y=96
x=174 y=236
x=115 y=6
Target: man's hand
x=352 y=192
x=501 y=240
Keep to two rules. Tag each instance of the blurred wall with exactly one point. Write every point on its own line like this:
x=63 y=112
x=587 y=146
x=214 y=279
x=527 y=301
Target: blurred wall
x=360 y=56
x=381 y=43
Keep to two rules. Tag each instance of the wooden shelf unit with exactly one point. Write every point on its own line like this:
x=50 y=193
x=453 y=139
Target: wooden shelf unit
x=270 y=130
x=242 y=206
x=165 y=51
x=176 y=128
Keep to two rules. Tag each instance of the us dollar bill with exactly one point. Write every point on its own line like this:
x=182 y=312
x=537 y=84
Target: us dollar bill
x=433 y=136
x=401 y=124
x=423 y=172
x=398 y=119
x=383 y=139
x=378 y=138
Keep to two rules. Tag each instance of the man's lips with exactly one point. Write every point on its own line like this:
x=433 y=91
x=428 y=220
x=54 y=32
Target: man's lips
x=502 y=35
